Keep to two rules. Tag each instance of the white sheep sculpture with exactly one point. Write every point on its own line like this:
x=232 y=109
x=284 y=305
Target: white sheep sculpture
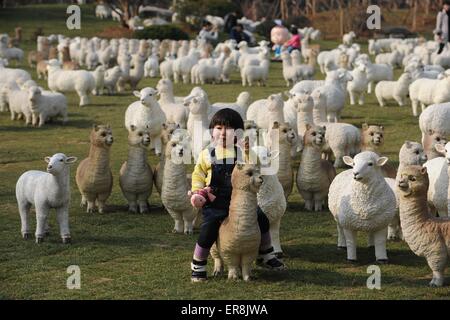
x=46 y=190
x=360 y=199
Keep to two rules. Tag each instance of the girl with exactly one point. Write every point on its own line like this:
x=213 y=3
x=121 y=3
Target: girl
x=213 y=168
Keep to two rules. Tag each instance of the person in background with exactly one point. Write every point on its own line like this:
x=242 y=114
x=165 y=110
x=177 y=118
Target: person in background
x=208 y=33
x=443 y=26
x=293 y=43
x=231 y=20
x=238 y=34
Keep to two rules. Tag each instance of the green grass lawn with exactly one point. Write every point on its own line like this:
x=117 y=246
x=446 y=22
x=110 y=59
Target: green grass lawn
x=130 y=256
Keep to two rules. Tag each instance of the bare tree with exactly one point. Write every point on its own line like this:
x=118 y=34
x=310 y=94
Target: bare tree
x=126 y=9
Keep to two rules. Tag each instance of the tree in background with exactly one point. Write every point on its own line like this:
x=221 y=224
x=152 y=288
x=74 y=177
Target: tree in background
x=126 y=9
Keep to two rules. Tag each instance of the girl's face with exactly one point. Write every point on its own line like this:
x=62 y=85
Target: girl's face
x=223 y=136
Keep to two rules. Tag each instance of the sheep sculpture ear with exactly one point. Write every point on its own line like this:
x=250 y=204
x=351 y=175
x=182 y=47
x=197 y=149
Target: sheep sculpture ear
x=365 y=126
x=240 y=166
x=308 y=126
x=382 y=161
x=440 y=148
x=348 y=161
x=95 y=127
x=408 y=144
x=137 y=94
x=47 y=159
x=70 y=160
x=423 y=170
x=381 y=128
x=276 y=125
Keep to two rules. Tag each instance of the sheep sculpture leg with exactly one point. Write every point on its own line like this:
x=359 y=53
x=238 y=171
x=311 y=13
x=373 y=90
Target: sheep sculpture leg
x=361 y=99
x=381 y=102
x=380 y=238
x=308 y=197
x=24 y=211
x=132 y=201
x=352 y=97
x=246 y=264
x=188 y=218
x=179 y=224
x=84 y=99
x=318 y=200
x=394 y=229
x=233 y=262
x=62 y=215
x=423 y=106
x=143 y=204
x=218 y=262
x=437 y=263
x=369 y=87
x=275 y=236
x=41 y=217
x=342 y=244
x=350 y=240
x=89 y=200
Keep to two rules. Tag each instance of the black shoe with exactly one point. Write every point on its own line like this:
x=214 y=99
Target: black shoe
x=267 y=259
x=274 y=264
x=198 y=276
x=198 y=271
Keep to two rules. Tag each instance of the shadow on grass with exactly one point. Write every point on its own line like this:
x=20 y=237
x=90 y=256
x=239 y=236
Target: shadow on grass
x=55 y=125
x=329 y=253
x=324 y=278
x=328 y=278
x=123 y=209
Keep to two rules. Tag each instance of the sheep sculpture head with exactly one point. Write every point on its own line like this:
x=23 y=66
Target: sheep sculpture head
x=178 y=149
x=436 y=139
x=314 y=136
x=196 y=104
x=57 y=163
x=164 y=86
x=275 y=102
x=412 y=153
x=246 y=177
x=139 y=136
x=413 y=181
x=373 y=135
x=146 y=96
x=33 y=94
x=366 y=166
x=445 y=150
x=167 y=131
x=101 y=136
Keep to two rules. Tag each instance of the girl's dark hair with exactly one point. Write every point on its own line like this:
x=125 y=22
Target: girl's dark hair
x=227 y=117
x=294 y=29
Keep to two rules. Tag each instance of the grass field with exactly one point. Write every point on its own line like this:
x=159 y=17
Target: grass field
x=130 y=256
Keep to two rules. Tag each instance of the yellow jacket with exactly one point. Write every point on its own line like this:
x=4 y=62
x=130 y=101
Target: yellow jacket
x=201 y=177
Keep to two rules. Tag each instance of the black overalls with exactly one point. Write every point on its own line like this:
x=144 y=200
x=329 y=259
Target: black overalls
x=215 y=212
